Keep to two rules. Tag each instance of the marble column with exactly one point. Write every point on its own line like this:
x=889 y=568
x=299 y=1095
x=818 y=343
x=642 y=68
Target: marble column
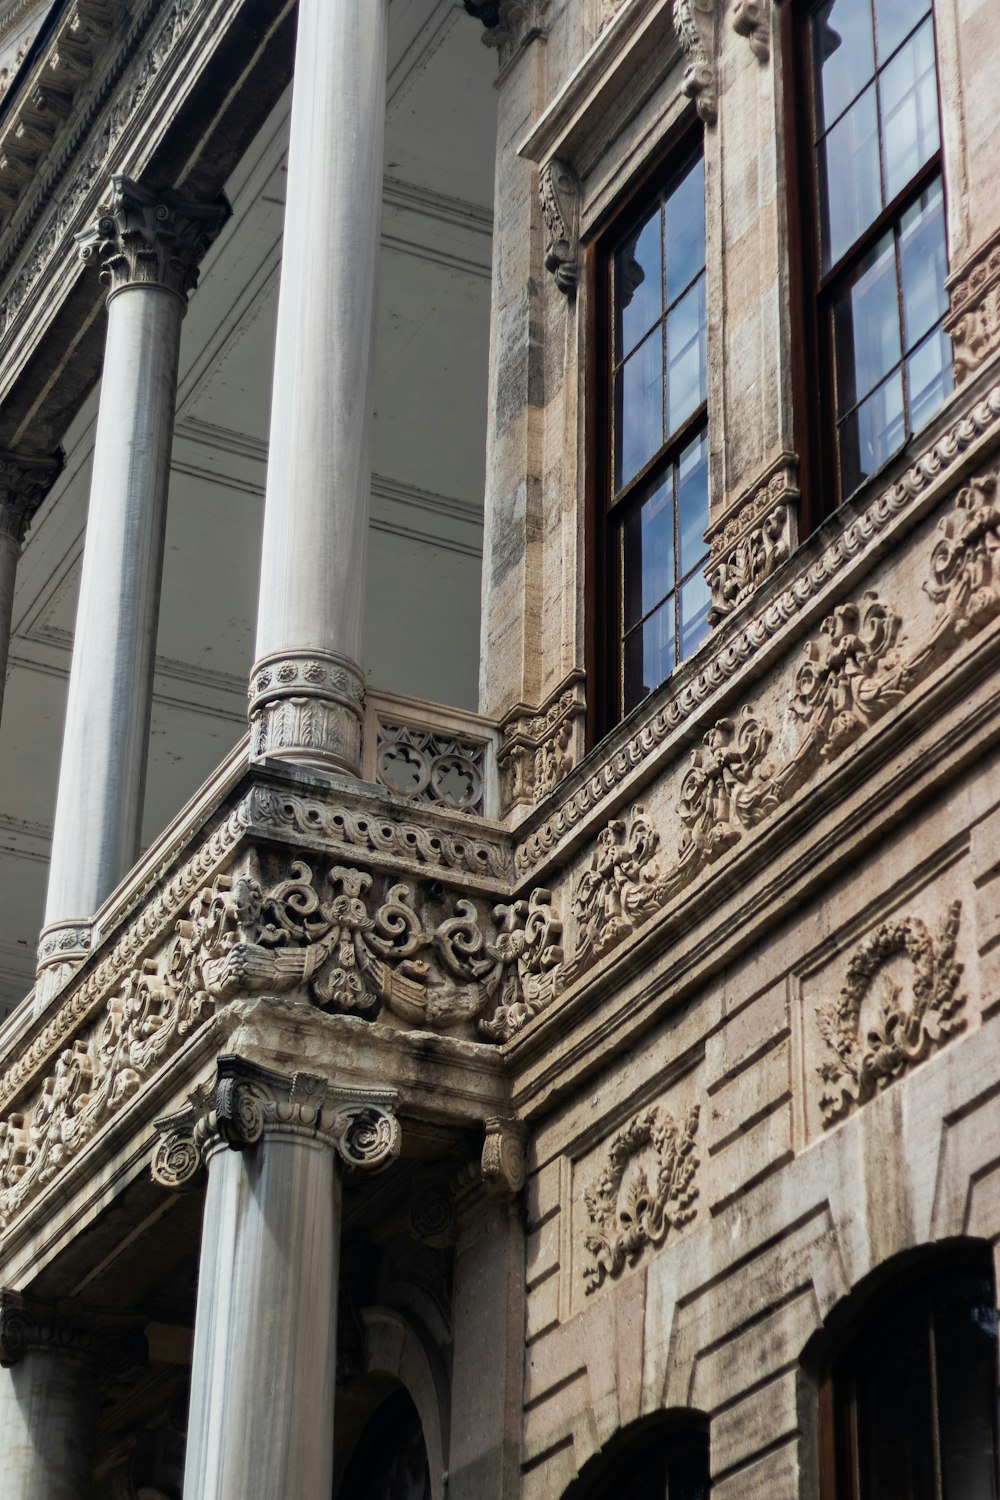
x=307 y=685
x=49 y=1386
x=24 y=482
x=148 y=246
x=264 y=1365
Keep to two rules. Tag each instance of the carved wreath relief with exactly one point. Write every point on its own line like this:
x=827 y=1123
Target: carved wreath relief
x=646 y=1189
x=899 y=1003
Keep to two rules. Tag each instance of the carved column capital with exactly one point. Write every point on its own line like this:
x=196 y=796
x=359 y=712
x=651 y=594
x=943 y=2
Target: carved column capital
x=113 y=1345
x=142 y=238
x=245 y=1103
x=25 y=480
x=307 y=706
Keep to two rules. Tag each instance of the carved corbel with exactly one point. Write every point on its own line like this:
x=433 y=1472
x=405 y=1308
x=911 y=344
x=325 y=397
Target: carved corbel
x=559 y=191
x=752 y=19
x=694 y=22
x=245 y=1103
x=503 y=1160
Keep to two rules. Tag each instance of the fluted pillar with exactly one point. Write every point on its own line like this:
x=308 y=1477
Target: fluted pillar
x=24 y=482
x=52 y=1365
x=307 y=686
x=264 y=1364
x=148 y=246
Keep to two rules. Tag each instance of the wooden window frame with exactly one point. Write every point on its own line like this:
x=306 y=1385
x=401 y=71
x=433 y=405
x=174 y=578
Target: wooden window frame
x=812 y=291
x=603 y=593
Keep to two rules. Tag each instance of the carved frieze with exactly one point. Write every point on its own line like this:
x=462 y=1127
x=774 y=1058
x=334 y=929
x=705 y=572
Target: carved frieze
x=620 y=886
x=646 y=1189
x=25 y=480
x=900 y=1002
x=973 y=319
x=694 y=22
x=753 y=539
x=559 y=191
x=537 y=749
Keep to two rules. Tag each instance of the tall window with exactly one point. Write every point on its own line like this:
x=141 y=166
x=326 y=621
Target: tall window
x=659 y=1458
x=913 y=1401
x=656 y=484
x=879 y=226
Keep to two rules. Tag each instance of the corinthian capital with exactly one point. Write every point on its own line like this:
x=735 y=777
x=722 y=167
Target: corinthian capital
x=143 y=238
x=24 y=483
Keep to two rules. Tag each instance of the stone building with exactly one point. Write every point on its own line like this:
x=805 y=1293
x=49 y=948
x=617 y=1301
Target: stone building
x=554 y=1050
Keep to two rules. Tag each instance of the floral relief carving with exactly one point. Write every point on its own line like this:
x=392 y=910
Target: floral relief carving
x=619 y=887
x=646 y=1189
x=537 y=747
x=876 y=1028
x=973 y=319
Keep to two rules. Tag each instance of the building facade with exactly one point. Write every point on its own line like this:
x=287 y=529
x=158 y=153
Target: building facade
x=500 y=972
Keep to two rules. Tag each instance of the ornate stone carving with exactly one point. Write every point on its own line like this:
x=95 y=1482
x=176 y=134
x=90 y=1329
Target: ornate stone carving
x=973 y=319
x=537 y=747
x=428 y=765
x=735 y=650
x=877 y=1029
x=25 y=480
x=357 y=952
x=63 y=943
x=559 y=191
x=112 y=1344
x=508 y=24
x=245 y=1103
x=752 y=19
x=694 y=22
x=431 y=846
x=142 y=238
x=504 y=1165
x=619 y=887
x=717 y=797
x=965 y=571
x=753 y=539
x=645 y=1190
x=307 y=705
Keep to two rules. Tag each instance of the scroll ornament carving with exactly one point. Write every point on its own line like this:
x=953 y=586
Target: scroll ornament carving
x=875 y=1029
x=537 y=750
x=504 y=1167
x=755 y=557
x=973 y=319
x=646 y=1189
x=354 y=953
x=752 y=19
x=559 y=191
x=694 y=22
x=141 y=237
x=25 y=480
x=245 y=1103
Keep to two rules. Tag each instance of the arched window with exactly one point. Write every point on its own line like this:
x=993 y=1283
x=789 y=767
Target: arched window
x=664 y=1457
x=909 y=1404
x=389 y=1461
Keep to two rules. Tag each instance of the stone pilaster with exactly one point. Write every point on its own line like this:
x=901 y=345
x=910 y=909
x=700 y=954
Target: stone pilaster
x=148 y=246
x=266 y=1319
x=25 y=480
x=307 y=685
x=53 y=1358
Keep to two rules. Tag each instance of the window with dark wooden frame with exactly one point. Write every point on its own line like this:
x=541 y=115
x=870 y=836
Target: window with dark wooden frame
x=912 y=1400
x=655 y=488
x=879 y=228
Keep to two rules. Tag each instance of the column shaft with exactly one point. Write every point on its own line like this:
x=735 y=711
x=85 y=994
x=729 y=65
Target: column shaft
x=263 y=1373
x=48 y=1417
x=307 y=685
x=103 y=769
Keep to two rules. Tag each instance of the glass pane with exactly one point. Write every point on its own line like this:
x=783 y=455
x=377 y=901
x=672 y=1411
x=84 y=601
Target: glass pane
x=894 y=1417
x=895 y=19
x=909 y=110
x=923 y=264
x=850 y=182
x=872 y=433
x=649 y=654
x=639 y=408
x=648 y=552
x=866 y=326
x=928 y=377
x=638 y=284
x=684 y=231
x=692 y=502
x=965 y=1328
x=843 y=56
x=686 y=382
x=695 y=599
